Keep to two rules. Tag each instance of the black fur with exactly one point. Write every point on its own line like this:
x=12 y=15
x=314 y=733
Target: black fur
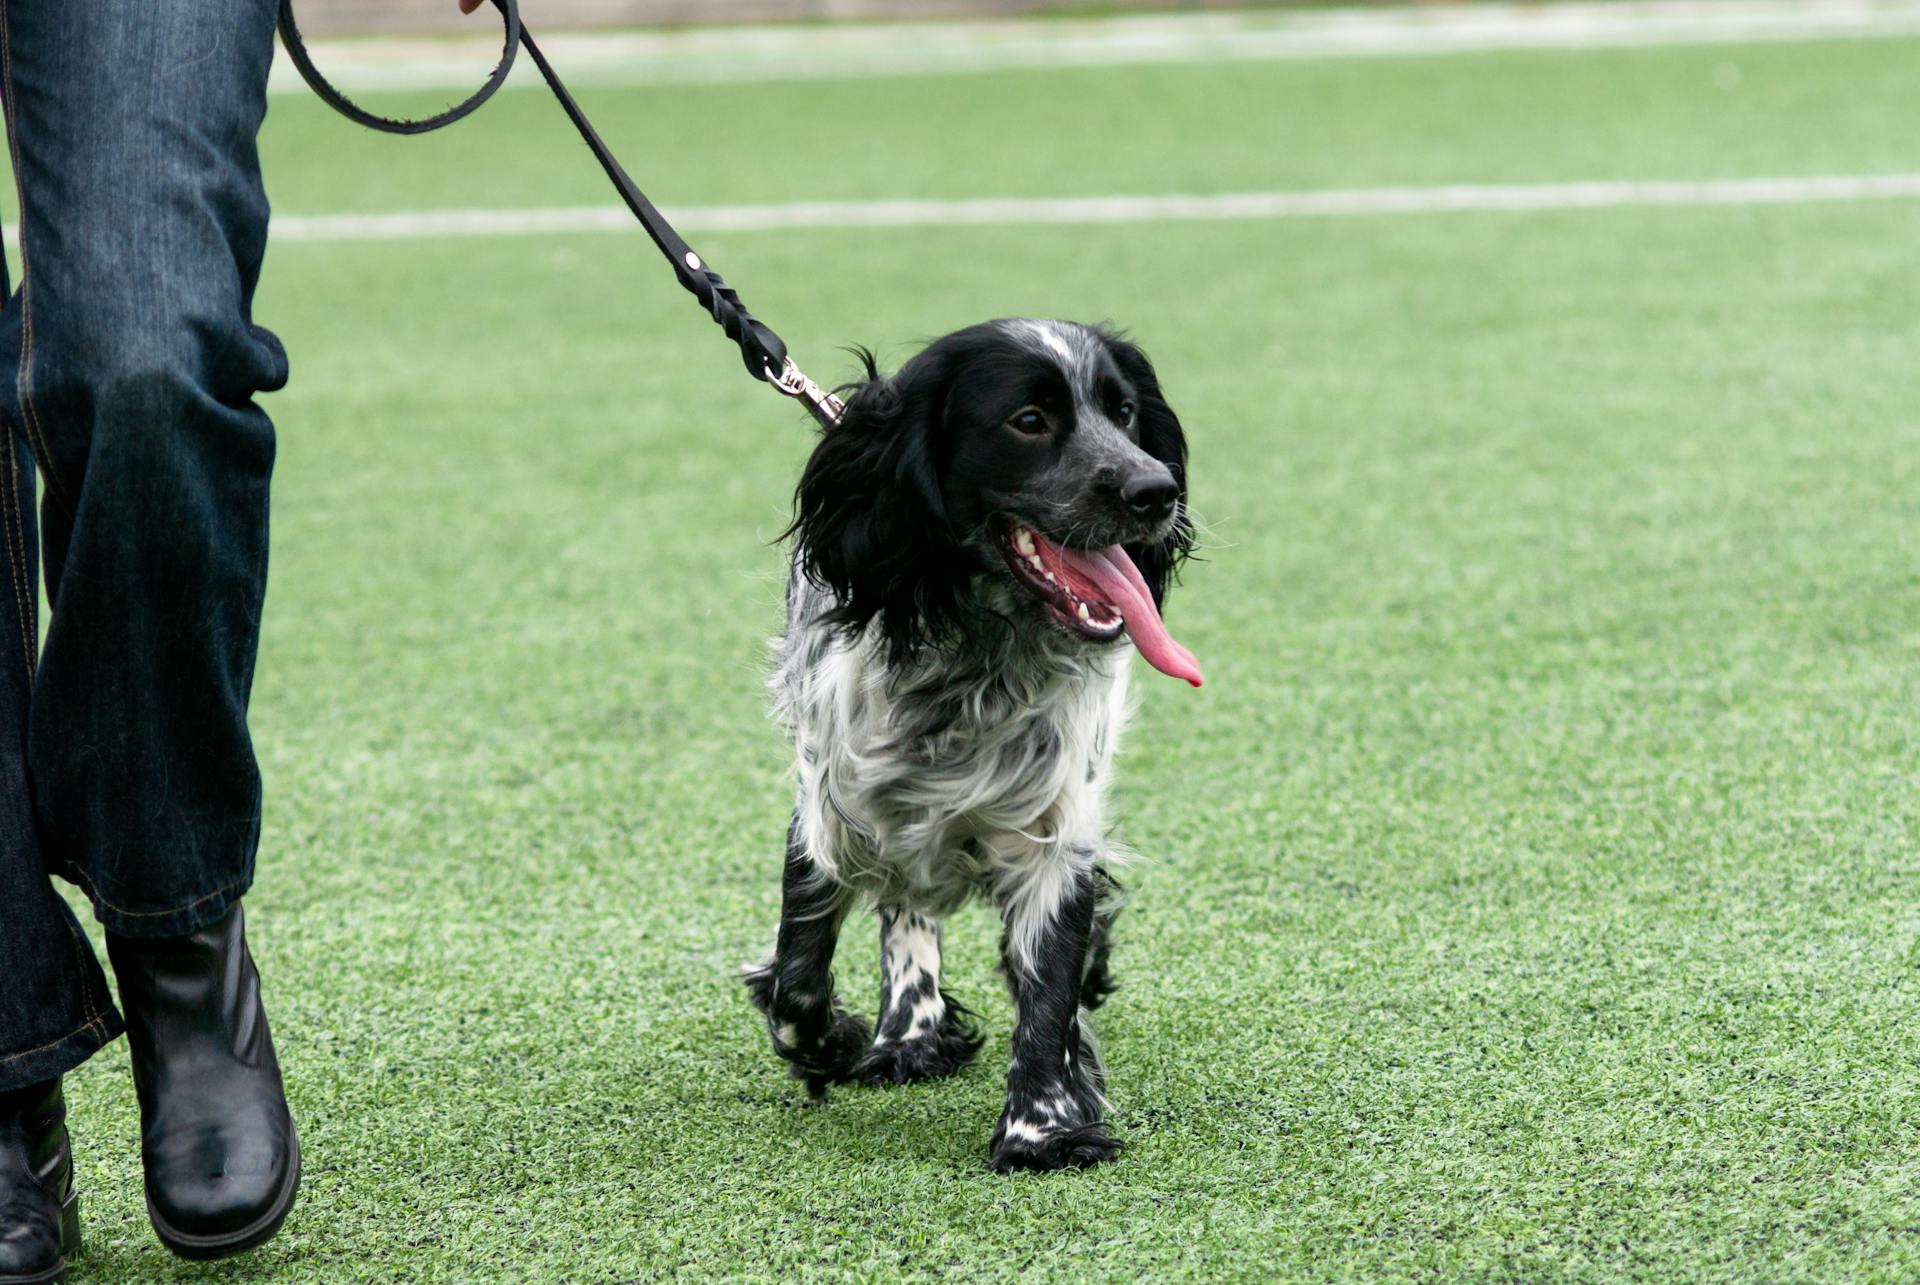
x=1052 y=1119
x=900 y=1054
x=1077 y=1148
x=869 y=515
x=1097 y=983
x=1161 y=437
x=795 y=990
x=889 y=503
x=952 y=1046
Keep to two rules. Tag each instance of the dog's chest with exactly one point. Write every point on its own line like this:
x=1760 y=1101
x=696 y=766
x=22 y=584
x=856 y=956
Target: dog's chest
x=917 y=785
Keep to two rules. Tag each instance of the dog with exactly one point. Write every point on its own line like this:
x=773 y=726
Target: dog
x=975 y=543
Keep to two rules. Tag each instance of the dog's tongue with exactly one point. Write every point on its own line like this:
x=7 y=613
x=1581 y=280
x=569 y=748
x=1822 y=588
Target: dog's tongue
x=1112 y=572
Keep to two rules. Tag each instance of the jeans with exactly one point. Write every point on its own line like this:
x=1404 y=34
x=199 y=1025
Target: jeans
x=128 y=368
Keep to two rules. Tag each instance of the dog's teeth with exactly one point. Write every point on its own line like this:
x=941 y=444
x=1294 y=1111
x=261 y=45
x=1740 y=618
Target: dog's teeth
x=1023 y=541
x=1085 y=614
x=1051 y=579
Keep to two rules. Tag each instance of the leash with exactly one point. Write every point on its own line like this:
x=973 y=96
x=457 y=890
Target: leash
x=763 y=351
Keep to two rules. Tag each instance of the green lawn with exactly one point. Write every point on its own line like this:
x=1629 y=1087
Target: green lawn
x=1533 y=893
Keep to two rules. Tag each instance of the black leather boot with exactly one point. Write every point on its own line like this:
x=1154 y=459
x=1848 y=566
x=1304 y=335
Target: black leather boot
x=216 y=1137
x=39 y=1209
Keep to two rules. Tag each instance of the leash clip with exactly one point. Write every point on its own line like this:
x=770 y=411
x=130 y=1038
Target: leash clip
x=793 y=382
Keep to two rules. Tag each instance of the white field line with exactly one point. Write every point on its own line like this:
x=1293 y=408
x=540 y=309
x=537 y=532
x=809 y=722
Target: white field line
x=1105 y=209
x=737 y=55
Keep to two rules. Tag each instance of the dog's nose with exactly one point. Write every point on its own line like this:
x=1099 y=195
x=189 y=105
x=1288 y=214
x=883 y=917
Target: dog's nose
x=1151 y=496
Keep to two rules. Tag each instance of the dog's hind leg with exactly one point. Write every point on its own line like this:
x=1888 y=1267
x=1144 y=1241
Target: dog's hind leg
x=1054 y=1105
x=923 y=1032
x=794 y=989
x=1097 y=982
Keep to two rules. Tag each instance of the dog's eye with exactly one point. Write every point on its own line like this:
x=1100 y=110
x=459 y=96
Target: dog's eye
x=1028 y=420
x=1127 y=412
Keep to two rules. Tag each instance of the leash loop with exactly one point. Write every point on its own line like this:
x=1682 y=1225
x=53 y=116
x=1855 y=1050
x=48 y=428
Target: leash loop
x=761 y=350
x=303 y=63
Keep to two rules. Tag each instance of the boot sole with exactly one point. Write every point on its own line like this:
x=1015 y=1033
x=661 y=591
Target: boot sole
x=69 y=1244
x=252 y=1236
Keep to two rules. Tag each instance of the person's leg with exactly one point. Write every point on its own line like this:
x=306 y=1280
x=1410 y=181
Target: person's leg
x=54 y=1008
x=143 y=225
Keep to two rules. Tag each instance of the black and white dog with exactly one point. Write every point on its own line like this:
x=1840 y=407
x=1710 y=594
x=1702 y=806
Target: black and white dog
x=973 y=542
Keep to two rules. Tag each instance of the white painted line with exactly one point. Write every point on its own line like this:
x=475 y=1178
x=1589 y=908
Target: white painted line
x=1106 y=209
x=846 y=51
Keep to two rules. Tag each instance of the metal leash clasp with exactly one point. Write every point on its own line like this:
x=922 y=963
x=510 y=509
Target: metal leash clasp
x=793 y=382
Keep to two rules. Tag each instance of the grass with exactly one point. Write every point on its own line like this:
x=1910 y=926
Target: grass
x=1531 y=892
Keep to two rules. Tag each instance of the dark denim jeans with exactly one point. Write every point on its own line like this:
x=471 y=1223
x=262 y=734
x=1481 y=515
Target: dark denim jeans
x=128 y=368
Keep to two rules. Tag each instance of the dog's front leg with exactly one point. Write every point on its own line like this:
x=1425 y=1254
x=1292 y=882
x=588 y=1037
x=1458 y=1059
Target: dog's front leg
x=923 y=1032
x=794 y=989
x=1054 y=1105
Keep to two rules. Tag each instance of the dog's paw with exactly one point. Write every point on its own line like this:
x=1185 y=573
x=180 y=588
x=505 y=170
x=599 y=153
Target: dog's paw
x=944 y=1050
x=1019 y=1146
x=832 y=1059
x=820 y=1042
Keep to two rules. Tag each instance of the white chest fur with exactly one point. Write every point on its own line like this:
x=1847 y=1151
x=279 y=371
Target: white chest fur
x=921 y=784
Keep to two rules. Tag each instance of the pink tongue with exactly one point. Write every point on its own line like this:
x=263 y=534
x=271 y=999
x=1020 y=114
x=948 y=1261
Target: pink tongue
x=1119 y=581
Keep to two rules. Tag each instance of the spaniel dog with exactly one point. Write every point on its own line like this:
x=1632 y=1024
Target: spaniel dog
x=975 y=543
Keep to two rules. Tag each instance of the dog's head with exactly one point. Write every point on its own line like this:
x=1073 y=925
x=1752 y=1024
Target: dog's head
x=1036 y=455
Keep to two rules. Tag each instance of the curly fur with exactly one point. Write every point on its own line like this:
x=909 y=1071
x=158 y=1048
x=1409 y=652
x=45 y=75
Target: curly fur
x=951 y=739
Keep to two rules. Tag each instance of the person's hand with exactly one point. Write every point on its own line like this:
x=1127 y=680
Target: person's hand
x=468 y=6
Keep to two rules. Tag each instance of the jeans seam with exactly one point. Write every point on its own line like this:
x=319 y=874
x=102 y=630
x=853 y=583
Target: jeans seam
x=94 y=1019
x=36 y=435
x=81 y=1029
x=16 y=556
x=93 y=894
x=81 y=956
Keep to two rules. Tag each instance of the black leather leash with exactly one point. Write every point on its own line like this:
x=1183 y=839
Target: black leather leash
x=761 y=349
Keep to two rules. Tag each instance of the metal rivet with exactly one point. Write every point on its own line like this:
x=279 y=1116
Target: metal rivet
x=693 y=261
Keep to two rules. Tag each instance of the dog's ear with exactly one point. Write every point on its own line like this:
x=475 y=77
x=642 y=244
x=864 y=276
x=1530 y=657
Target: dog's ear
x=1161 y=437
x=870 y=523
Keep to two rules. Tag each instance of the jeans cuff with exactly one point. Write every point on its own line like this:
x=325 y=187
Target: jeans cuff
x=18 y=1070
x=177 y=921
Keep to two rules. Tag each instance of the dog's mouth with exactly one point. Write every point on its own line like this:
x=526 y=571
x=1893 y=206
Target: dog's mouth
x=1098 y=594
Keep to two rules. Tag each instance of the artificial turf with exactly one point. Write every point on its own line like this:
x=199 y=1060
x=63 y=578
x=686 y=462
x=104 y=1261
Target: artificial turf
x=1531 y=893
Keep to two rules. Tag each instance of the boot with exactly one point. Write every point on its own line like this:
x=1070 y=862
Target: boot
x=39 y=1209
x=216 y=1137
